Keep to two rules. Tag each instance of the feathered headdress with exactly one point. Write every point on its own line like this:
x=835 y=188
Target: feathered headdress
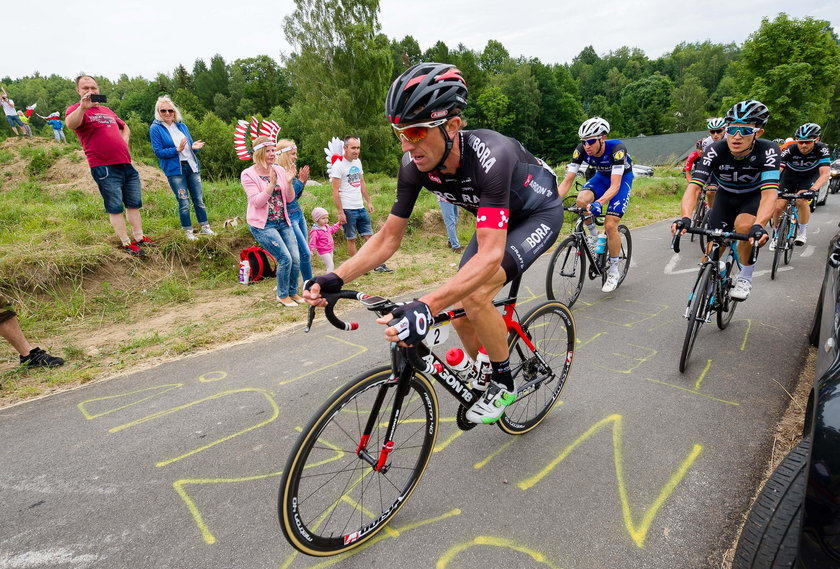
x=240 y=135
x=334 y=152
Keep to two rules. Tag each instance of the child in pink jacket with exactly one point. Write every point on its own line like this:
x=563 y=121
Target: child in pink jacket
x=321 y=236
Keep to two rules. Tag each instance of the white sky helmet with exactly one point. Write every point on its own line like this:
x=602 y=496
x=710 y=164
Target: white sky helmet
x=716 y=123
x=593 y=128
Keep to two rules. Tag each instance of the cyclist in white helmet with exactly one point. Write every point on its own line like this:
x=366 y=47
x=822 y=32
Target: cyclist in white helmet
x=608 y=191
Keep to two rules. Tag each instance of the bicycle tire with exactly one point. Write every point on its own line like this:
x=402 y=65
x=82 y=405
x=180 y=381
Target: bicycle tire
x=331 y=500
x=791 y=242
x=551 y=329
x=696 y=316
x=623 y=256
x=566 y=271
x=698 y=215
x=726 y=306
x=704 y=241
x=781 y=244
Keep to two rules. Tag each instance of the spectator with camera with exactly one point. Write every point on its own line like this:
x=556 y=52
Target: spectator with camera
x=104 y=137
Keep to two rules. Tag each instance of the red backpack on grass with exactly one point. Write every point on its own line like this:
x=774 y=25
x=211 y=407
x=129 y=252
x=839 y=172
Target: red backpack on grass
x=260 y=262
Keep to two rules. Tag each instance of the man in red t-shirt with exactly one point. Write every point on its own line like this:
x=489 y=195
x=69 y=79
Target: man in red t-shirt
x=692 y=158
x=104 y=138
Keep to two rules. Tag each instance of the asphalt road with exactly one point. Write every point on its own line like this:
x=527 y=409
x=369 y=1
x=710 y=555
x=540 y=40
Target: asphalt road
x=639 y=466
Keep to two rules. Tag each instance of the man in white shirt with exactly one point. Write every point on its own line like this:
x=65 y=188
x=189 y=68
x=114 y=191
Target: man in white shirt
x=11 y=114
x=350 y=195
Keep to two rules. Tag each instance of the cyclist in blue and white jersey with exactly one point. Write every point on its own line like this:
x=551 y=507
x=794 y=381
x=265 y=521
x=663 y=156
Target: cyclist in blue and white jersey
x=512 y=194
x=607 y=191
x=745 y=168
x=806 y=165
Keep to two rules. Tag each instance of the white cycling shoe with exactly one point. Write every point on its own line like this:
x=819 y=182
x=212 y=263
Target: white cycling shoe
x=611 y=283
x=491 y=404
x=742 y=289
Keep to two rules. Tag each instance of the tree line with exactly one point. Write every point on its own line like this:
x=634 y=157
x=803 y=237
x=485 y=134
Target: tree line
x=334 y=83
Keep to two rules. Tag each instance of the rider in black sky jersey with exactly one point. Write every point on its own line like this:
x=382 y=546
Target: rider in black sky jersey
x=512 y=194
x=745 y=169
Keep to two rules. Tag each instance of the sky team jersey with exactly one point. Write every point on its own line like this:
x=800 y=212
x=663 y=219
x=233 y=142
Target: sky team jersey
x=795 y=162
x=497 y=180
x=614 y=160
x=759 y=170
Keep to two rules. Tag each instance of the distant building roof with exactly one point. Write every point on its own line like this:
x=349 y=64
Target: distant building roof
x=663 y=149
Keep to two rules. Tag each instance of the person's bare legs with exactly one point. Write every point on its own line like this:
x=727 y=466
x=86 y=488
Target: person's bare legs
x=118 y=223
x=10 y=330
x=136 y=224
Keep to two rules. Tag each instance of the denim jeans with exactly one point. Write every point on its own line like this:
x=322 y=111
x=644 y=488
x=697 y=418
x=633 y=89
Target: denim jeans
x=450 y=220
x=58 y=133
x=278 y=238
x=301 y=234
x=118 y=184
x=187 y=187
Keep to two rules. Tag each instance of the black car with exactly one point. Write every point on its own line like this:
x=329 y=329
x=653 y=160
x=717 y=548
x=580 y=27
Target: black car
x=795 y=521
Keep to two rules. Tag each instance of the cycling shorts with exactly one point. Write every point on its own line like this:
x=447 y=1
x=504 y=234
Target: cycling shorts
x=728 y=206
x=527 y=239
x=790 y=183
x=6 y=311
x=600 y=183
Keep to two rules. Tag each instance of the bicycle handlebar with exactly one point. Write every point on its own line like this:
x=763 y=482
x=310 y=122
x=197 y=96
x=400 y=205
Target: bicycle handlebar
x=329 y=310
x=715 y=234
x=583 y=211
x=806 y=195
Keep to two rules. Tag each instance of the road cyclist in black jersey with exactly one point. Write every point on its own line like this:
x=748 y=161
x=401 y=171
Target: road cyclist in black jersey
x=805 y=166
x=745 y=169
x=607 y=192
x=518 y=217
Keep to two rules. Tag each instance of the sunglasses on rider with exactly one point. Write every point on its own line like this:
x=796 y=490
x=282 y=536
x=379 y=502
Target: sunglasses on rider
x=805 y=140
x=742 y=130
x=715 y=131
x=414 y=133
x=590 y=141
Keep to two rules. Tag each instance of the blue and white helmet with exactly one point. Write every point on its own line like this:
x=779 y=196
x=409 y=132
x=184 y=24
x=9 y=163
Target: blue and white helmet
x=716 y=123
x=592 y=128
x=808 y=131
x=748 y=112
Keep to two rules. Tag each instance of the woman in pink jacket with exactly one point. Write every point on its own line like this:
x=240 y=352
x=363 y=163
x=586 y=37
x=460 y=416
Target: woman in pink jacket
x=268 y=188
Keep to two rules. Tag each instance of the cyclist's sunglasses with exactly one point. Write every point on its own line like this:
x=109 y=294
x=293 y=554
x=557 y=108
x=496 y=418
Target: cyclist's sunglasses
x=590 y=141
x=715 y=130
x=742 y=130
x=805 y=140
x=416 y=132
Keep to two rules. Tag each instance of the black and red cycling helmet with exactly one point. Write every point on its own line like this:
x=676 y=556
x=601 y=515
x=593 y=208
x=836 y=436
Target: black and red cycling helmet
x=426 y=91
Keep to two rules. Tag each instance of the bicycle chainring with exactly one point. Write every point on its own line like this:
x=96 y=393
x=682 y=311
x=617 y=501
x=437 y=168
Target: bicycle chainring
x=461 y=419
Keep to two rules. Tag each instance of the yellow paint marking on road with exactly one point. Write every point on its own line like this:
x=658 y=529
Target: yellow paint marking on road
x=163 y=389
x=484 y=540
x=362 y=349
x=638 y=531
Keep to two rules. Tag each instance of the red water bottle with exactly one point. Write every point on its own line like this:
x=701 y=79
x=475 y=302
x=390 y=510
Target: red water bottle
x=458 y=361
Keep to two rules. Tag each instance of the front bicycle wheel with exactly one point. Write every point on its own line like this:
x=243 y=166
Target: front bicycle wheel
x=623 y=256
x=698 y=215
x=541 y=373
x=566 y=269
x=698 y=302
x=331 y=499
x=781 y=240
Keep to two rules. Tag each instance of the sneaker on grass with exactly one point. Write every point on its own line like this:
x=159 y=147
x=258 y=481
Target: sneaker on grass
x=39 y=358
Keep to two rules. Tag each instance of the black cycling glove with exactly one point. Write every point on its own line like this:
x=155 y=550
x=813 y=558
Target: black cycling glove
x=683 y=223
x=329 y=283
x=757 y=232
x=412 y=321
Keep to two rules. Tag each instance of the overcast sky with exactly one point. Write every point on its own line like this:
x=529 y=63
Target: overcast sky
x=145 y=38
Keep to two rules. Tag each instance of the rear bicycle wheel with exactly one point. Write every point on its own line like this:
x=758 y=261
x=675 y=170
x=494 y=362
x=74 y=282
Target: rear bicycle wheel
x=791 y=240
x=331 y=500
x=781 y=239
x=566 y=270
x=696 y=313
x=541 y=374
x=623 y=256
x=725 y=305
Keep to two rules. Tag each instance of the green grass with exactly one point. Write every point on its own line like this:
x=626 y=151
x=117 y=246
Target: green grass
x=62 y=269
